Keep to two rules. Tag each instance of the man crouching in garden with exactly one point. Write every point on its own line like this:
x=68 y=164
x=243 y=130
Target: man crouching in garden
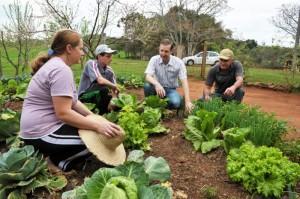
x=228 y=78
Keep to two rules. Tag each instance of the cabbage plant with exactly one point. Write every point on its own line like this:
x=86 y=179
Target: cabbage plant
x=22 y=170
x=132 y=180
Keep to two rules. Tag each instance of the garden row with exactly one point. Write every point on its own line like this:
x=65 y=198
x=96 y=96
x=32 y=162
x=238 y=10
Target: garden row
x=248 y=137
x=24 y=170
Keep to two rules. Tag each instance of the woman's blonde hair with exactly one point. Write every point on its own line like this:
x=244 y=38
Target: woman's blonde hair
x=60 y=40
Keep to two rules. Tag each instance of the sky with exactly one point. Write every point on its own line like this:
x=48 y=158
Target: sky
x=249 y=19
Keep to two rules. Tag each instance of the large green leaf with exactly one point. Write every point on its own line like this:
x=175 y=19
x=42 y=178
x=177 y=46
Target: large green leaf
x=234 y=137
x=57 y=182
x=98 y=180
x=25 y=170
x=9 y=124
x=157 y=169
x=123 y=100
x=210 y=145
x=112 y=192
x=135 y=171
x=151 y=117
x=15 y=157
x=161 y=192
x=156 y=102
x=154 y=192
x=77 y=193
x=120 y=187
x=136 y=156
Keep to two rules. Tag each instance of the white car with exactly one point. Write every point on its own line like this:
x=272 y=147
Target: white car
x=211 y=58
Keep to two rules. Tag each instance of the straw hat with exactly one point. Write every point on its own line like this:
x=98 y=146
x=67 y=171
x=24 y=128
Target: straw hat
x=108 y=150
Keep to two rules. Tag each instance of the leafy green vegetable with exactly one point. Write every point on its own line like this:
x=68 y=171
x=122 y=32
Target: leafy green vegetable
x=135 y=131
x=157 y=169
x=151 y=117
x=9 y=125
x=265 y=129
x=22 y=170
x=136 y=156
x=154 y=101
x=119 y=187
x=124 y=99
x=130 y=80
x=138 y=126
x=202 y=131
x=263 y=169
x=130 y=180
x=234 y=137
x=154 y=192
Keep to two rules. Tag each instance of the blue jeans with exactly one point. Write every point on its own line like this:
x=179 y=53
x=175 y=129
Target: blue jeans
x=174 y=99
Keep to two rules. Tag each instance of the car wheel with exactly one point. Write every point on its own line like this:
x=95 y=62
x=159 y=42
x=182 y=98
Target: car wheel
x=190 y=62
x=215 y=63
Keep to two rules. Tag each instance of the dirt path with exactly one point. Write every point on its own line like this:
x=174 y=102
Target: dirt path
x=285 y=106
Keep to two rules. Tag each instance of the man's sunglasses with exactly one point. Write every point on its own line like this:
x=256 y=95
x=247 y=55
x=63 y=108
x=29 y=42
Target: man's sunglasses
x=224 y=60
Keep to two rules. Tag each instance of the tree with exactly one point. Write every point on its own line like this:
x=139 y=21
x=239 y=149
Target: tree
x=18 y=34
x=141 y=33
x=191 y=22
x=288 y=20
x=63 y=15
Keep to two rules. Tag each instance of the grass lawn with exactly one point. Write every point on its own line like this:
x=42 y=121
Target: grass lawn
x=124 y=66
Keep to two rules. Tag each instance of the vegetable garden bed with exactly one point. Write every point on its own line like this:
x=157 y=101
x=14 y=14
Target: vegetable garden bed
x=193 y=174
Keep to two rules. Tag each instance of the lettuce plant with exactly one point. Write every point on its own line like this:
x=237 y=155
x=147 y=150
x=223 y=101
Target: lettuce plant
x=22 y=170
x=125 y=100
x=132 y=180
x=201 y=130
x=234 y=137
x=156 y=102
x=263 y=170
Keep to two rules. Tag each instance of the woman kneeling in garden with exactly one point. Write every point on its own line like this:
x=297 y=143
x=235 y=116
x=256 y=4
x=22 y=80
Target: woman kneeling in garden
x=52 y=114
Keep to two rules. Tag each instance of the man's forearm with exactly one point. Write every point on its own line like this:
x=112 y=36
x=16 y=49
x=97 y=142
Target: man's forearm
x=238 y=83
x=206 y=90
x=186 y=90
x=152 y=80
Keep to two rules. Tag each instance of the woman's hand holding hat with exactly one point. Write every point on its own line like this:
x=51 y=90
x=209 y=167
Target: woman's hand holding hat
x=108 y=128
x=105 y=141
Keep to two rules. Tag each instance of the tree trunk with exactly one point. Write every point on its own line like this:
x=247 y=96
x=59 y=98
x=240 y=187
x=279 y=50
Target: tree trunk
x=1 y=67
x=202 y=74
x=190 y=49
x=179 y=50
x=295 y=54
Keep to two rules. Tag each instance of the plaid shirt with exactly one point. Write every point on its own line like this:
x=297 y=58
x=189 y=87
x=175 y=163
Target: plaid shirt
x=167 y=74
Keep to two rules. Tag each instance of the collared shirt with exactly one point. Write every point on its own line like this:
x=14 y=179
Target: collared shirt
x=224 y=78
x=167 y=74
x=92 y=70
x=54 y=78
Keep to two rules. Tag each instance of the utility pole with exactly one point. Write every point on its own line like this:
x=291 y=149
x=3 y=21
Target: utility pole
x=203 y=65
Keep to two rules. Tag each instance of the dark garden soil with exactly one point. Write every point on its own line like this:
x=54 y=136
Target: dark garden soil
x=193 y=172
